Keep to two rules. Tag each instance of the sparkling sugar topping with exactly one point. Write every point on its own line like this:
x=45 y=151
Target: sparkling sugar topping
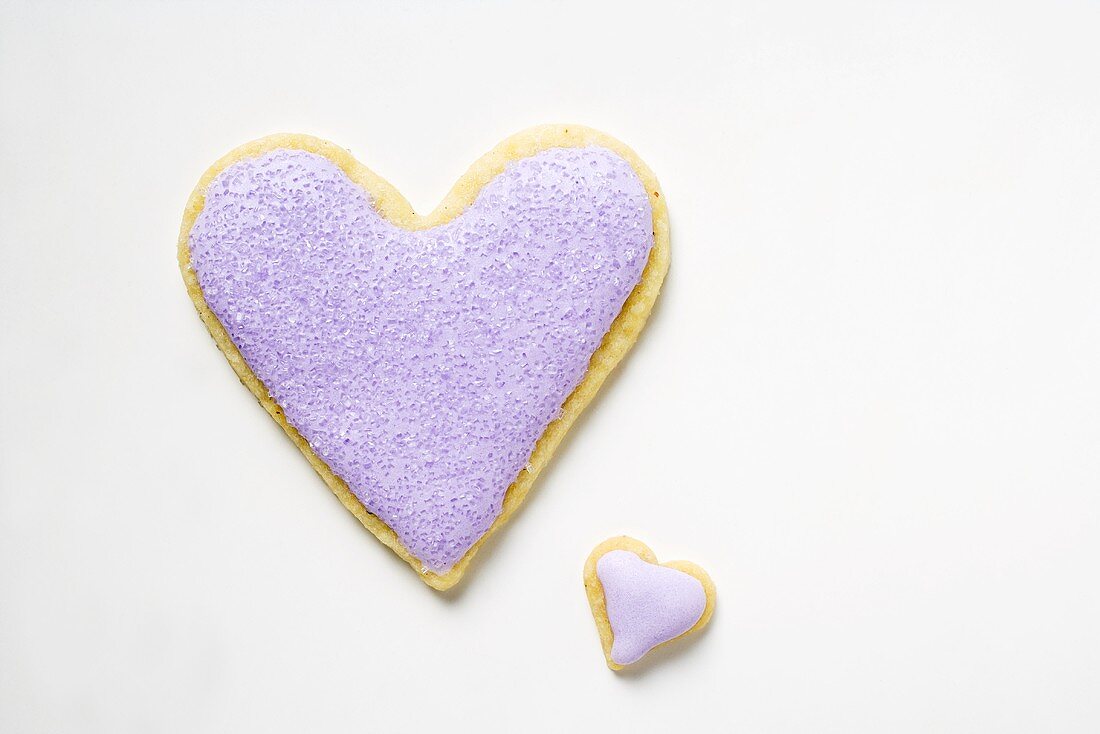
x=422 y=367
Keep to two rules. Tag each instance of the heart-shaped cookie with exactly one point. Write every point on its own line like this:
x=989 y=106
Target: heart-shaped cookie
x=639 y=604
x=427 y=366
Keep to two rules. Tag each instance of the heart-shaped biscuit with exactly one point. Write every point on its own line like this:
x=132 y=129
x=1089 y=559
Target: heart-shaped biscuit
x=427 y=366
x=639 y=604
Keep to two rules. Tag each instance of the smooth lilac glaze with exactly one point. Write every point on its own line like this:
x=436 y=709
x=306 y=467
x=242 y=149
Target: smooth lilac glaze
x=422 y=367
x=647 y=604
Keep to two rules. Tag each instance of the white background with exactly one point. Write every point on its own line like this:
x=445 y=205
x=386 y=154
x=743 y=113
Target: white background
x=868 y=400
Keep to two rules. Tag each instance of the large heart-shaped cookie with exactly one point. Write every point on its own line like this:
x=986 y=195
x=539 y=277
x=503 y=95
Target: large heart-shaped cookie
x=427 y=366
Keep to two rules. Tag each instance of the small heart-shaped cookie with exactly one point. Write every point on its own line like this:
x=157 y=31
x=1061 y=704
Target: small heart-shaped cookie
x=427 y=366
x=638 y=603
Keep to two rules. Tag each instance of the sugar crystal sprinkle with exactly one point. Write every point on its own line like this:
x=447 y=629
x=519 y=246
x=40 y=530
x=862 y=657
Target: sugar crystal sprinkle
x=422 y=367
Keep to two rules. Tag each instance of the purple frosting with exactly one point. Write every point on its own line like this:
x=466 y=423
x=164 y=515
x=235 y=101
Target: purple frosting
x=647 y=604
x=423 y=366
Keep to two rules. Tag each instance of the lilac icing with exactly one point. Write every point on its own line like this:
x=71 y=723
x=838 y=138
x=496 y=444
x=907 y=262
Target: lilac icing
x=647 y=604
x=422 y=366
